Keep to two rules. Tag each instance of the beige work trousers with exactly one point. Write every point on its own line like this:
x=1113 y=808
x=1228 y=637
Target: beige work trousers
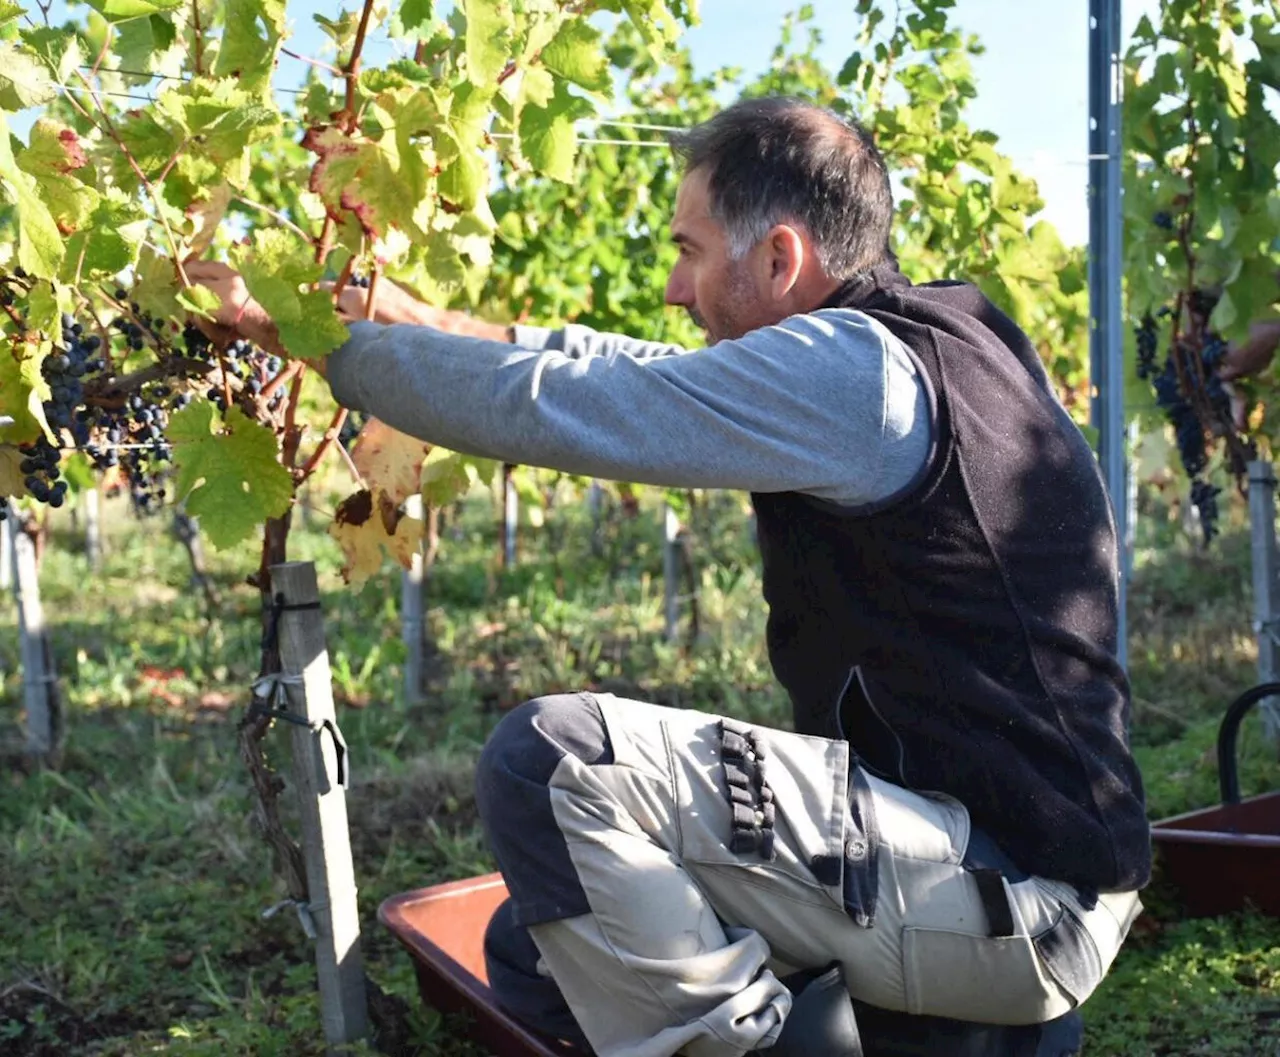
x=685 y=939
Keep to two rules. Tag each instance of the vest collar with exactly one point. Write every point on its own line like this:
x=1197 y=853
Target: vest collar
x=866 y=286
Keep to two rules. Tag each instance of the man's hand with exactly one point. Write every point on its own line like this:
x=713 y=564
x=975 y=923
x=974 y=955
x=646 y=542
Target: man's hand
x=239 y=313
x=394 y=304
x=1254 y=354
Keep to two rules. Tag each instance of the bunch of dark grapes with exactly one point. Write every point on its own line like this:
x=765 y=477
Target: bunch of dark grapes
x=1187 y=429
x=361 y=281
x=40 y=473
x=64 y=370
x=1204 y=497
x=1148 y=341
x=1191 y=426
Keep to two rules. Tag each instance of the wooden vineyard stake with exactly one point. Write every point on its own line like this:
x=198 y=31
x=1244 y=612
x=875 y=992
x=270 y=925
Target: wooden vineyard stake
x=6 y=552
x=671 y=573
x=39 y=689
x=411 y=613
x=319 y=769
x=93 y=527
x=510 y=517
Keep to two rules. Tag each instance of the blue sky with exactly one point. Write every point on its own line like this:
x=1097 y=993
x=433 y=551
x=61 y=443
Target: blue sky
x=1032 y=81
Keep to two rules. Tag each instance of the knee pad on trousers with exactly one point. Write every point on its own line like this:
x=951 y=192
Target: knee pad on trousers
x=514 y=800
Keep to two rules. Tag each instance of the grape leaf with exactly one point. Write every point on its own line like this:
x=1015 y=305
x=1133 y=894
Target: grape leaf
x=56 y=151
x=140 y=44
x=10 y=471
x=389 y=461
x=275 y=267
x=22 y=392
x=364 y=533
x=222 y=118
x=250 y=42
x=416 y=14
x=231 y=478
x=155 y=287
x=446 y=475
x=45 y=305
x=57 y=49
x=10 y=12
x=40 y=247
x=547 y=137
x=376 y=180
x=576 y=54
x=123 y=10
x=537 y=86
x=24 y=80
x=205 y=216
x=463 y=183
x=490 y=30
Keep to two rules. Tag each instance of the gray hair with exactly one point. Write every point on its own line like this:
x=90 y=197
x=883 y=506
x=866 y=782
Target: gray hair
x=777 y=160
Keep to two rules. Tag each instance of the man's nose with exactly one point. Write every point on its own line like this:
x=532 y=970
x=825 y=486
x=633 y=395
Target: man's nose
x=679 y=290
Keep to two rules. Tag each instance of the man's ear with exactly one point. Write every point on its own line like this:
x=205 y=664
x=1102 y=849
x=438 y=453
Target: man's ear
x=785 y=258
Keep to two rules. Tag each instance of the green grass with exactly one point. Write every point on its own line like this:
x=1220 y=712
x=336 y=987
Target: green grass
x=132 y=884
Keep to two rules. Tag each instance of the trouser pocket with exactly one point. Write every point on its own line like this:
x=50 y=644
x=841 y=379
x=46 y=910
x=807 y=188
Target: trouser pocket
x=999 y=979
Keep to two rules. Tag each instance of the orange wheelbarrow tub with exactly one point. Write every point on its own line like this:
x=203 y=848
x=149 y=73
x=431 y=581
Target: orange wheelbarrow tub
x=443 y=928
x=1222 y=859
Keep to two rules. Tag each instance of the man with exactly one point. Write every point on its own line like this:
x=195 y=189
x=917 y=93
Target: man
x=957 y=826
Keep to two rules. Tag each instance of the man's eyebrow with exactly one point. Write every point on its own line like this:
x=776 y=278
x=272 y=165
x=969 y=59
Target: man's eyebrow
x=681 y=238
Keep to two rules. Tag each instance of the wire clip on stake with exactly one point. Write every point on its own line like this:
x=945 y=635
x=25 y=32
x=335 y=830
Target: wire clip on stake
x=303 y=909
x=270 y=698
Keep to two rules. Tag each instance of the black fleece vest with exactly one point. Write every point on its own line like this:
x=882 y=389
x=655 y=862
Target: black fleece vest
x=962 y=636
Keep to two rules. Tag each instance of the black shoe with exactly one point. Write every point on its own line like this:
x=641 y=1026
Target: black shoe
x=821 y=1021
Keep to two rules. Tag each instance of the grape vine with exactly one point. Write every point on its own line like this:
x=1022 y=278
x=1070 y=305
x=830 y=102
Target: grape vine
x=1201 y=228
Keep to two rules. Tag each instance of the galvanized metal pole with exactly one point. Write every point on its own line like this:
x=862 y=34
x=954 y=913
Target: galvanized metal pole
x=1266 y=584
x=1106 y=342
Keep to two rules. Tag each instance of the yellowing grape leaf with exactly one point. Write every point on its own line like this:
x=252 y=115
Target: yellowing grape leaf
x=490 y=28
x=40 y=246
x=24 y=81
x=54 y=153
x=382 y=181
x=389 y=461
x=10 y=471
x=275 y=268
x=230 y=476
x=23 y=391
x=365 y=534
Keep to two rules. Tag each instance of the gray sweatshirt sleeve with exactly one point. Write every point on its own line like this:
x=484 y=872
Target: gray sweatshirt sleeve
x=827 y=403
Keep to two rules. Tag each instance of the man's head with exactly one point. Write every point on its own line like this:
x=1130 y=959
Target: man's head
x=782 y=201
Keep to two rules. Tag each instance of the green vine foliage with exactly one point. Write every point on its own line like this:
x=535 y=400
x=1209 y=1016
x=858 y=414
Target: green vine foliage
x=384 y=169
x=1202 y=217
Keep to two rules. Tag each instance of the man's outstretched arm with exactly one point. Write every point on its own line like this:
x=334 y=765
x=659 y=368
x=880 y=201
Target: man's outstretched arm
x=828 y=404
